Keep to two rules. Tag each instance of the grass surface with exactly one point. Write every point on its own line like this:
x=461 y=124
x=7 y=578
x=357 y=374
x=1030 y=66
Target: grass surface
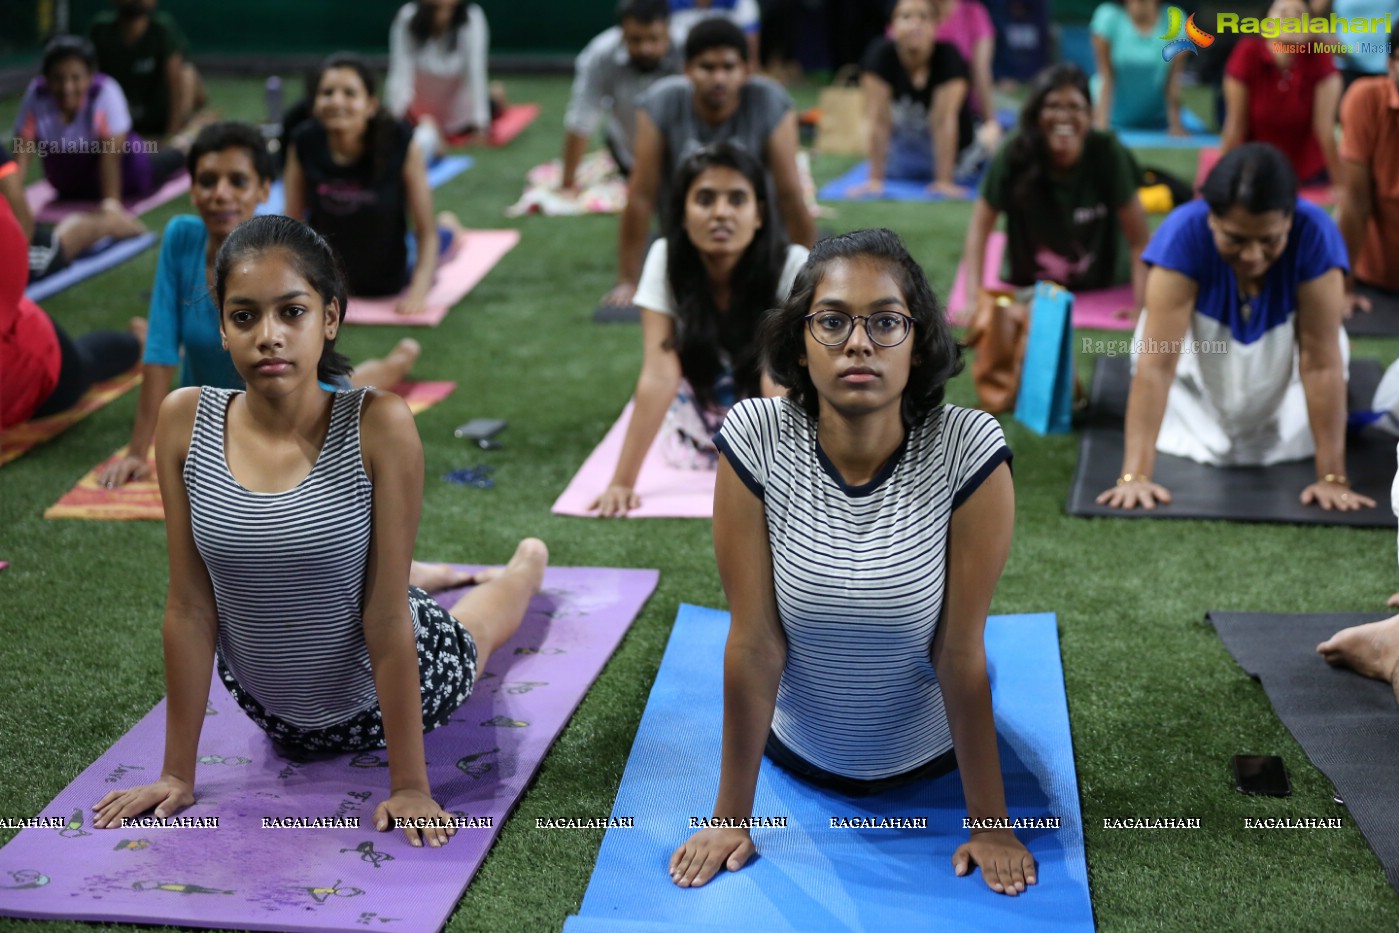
x=1157 y=705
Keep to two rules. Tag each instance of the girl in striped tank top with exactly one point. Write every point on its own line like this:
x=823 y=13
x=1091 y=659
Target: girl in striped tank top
x=860 y=527
x=290 y=517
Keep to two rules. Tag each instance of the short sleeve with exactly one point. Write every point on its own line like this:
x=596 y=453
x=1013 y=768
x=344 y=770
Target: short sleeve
x=1242 y=61
x=993 y=183
x=1179 y=243
x=653 y=289
x=1359 y=127
x=796 y=258
x=175 y=41
x=1320 y=247
x=111 y=117
x=584 y=110
x=974 y=445
x=748 y=439
x=1123 y=166
x=982 y=27
x=163 y=339
x=1105 y=19
x=664 y=100
x=775 y=102
x=880 y=60
x=948 y=64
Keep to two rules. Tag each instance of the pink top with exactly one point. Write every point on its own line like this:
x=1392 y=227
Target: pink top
x=964 y=27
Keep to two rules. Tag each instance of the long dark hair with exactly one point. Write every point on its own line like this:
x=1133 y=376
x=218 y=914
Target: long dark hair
x=1027 y=152
x=379 y=134
x=311 y=257
x=701 y=331
x=1254 y=176
x=936 y=358
x=420 y=26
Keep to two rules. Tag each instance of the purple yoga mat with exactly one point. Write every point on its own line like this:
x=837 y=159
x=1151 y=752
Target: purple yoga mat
x=243 y=876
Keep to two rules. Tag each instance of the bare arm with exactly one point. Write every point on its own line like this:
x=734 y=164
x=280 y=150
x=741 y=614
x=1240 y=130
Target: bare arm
x=419 y=196
x=1170 y=303
x=1325 y=106
x=181 y=105
x=109 y=172
x=974 y=249
x=642 y=186
x=294 y=186
x=786 y=181
x=155 y=383
x=12 y=189
x=189 y=632
x=877 y=107
x=1235 y=130
x=1173 y=121
x=983 y=83
x=655 y=390
x=1352 y=215
x=1102 y=107
x=978 y=545
x=1132 y=219
x=393 y=458
x=754 y=656
x=575 y=146
x=947 y=107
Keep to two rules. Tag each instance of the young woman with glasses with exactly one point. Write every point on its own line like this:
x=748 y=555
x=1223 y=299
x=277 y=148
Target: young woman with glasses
x=860 y=528
x=703 y=291
x=1069 y=193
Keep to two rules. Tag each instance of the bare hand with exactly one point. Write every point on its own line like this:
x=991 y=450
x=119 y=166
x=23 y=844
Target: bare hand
x=1355 y=302
x=1177 y=130
x=621 y=295
x=124 y=471
x=1393 y=601
x=1336 y=496
x=616 y=501
x=415 y=805
x=872 y=188
x=1139 y=492
x=169 y=796
x=707 y=851
x=413 y=304
x=1006 y=865
x=948 y=189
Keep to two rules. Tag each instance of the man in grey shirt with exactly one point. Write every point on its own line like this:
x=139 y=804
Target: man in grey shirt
x=611 y=73
x=714 y=101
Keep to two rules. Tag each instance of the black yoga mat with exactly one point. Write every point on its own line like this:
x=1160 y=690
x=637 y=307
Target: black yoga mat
x=1347 y=724
x=1382 y=320
x=616 y=314
x=1240 y=494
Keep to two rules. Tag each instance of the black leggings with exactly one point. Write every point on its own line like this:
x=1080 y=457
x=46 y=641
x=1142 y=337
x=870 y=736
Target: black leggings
x=780 y=754
x=91 y=358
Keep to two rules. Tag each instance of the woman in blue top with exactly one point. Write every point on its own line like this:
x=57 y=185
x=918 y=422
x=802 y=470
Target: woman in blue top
x=1135 y=88
x=230 y=172
x=1240 y=357
x=860 y=527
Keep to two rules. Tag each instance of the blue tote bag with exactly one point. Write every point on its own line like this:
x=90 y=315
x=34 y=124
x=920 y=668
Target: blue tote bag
x=1045 y=402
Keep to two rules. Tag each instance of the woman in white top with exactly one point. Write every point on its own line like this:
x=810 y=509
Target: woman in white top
x=860 y=527
x=702 y=293
x=437 y=70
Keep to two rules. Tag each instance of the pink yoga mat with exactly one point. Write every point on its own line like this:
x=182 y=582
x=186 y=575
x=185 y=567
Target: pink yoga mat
x=478 y=253
x=1100 y=309
x=241 y=875
x=40 y=196
x=665 y=491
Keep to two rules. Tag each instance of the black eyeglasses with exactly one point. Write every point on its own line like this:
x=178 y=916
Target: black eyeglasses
x=884 y=328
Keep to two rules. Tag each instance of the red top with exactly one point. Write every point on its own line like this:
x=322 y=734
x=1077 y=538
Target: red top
x=1281 y=101
x=29 y=354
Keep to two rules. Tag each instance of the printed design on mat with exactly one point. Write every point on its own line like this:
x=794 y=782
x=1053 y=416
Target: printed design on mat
x=473 y=765
x=367 y=853
x=369 y=760
x=131 y=845
x=73 y=829
x=521 y=687
x=177 y=887
x=505 y=722
x=537 y=650
x=120 y=772
x=368 y=917
x=221 y=760
x=25 y=878
x=321 y=895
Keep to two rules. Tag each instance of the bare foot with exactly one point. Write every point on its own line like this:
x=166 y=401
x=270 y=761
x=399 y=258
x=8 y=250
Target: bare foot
x=435 y=578
x=405 y=353
x=1394 y=601
x=1371 y=649
x=529 y=562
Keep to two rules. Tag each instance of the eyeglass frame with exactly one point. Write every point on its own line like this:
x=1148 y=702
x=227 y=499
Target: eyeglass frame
x=909 y=323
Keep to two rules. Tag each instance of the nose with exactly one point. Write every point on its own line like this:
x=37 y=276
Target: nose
x=269 y=332
x=859 y=339
x=1252 y=252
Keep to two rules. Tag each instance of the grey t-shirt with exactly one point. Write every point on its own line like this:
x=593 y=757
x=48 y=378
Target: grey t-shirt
x=670 y=104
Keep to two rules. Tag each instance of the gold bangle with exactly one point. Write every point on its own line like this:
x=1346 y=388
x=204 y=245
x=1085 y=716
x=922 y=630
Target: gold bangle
x=1340 y=479
x=1126 y=478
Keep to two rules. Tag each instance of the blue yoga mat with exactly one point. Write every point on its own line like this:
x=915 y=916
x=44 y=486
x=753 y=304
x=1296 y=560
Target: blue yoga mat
x=894 y=189
x=89 y=264
x=1200 y=136
x=438 y=173
x=811 y=877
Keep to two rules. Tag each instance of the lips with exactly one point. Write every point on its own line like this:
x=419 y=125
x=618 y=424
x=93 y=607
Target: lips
x=858 y=375
x=273 y=367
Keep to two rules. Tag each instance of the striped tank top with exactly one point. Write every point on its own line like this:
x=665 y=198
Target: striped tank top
x=288 y=569
x=859 y=573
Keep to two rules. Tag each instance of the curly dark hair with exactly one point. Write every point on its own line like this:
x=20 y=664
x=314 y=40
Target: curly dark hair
x=311 y=257
x=937 y=356
x=229 y=134
x=701 y=332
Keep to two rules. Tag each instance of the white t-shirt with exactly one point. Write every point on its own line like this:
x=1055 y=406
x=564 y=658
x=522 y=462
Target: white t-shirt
x=653 y=289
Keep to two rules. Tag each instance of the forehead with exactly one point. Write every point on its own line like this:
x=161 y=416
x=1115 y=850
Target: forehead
x=857 y=280
x=631 y=26
x=232 y=159
x=68 y=65
x=716 y=58
x=1065 y=95
x=721 y=178
x=908 y=7
x=1242 y=223
x=271 y=270
x=346 y=78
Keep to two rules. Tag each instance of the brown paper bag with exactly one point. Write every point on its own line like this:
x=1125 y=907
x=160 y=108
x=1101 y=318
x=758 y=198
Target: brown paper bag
x=844 y=127
x=998 y=332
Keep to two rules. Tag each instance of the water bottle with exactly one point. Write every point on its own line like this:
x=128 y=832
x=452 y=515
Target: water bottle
x=274 y=100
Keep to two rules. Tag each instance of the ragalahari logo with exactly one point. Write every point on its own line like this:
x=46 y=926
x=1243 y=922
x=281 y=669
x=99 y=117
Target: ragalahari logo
x=1194 y=35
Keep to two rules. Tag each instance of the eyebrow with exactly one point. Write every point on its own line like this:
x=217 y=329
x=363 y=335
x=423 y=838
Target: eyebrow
x=839 y=305
x=244 y=300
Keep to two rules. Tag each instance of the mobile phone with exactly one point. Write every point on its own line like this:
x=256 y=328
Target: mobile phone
x=482 y=431
x=1261 y=774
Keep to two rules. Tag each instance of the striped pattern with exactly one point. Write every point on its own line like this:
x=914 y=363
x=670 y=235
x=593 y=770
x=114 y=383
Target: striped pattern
x=859 y=575
x=288 y=569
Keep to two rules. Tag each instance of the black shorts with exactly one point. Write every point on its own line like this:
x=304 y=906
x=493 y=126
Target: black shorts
x=780 y=754
x=446 y=672
x=45 y=255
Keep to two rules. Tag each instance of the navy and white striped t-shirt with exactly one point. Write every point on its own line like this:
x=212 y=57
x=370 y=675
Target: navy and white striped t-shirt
x=288 y=569
x=859 y=574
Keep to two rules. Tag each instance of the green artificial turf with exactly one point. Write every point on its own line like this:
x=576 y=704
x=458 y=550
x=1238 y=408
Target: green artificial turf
x=1157 y=705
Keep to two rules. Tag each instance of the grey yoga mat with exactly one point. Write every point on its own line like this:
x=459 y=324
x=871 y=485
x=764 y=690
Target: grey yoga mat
x=1347 y=724
x=1241 y=494
x=1382 y=320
